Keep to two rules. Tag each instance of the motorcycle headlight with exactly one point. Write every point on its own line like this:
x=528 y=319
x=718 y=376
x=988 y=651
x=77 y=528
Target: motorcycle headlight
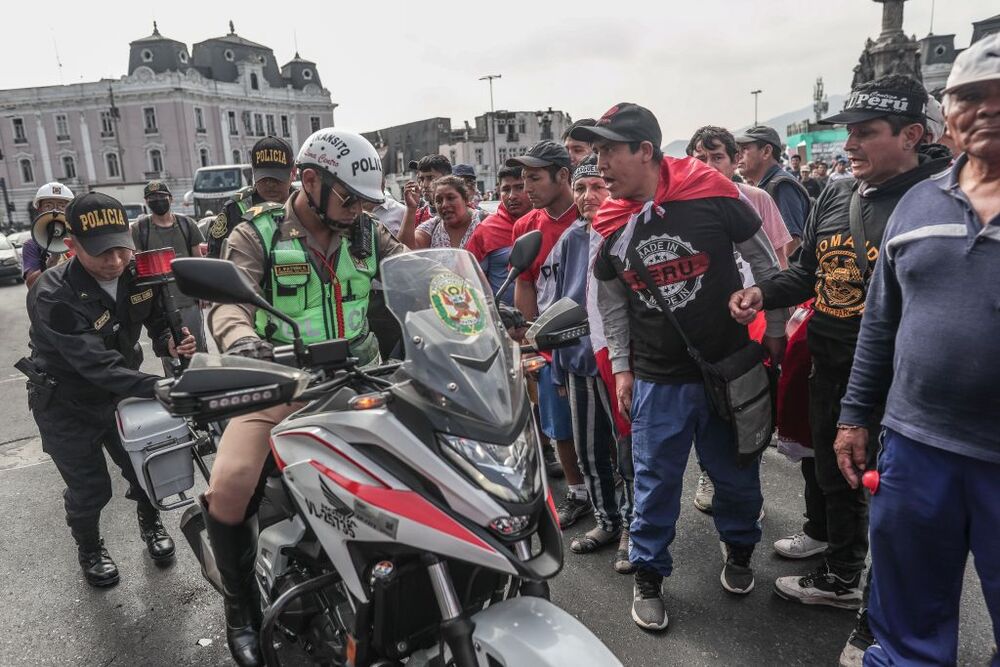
x=509 y=472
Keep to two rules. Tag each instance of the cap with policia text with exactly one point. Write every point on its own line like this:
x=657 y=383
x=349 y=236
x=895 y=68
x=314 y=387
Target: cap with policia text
x=871 y=104
x=98 y=222
x=543 y=154
x=271 y=158
x=626 y=122
x=155 y=188
x=761 y=133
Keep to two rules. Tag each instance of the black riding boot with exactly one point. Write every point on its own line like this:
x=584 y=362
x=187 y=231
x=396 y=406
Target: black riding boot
x=234 y=548
x=158 y=543
x=98 y=568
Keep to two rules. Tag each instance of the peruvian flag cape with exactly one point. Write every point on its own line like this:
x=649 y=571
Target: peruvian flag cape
x=681 y=179
x=492 y=234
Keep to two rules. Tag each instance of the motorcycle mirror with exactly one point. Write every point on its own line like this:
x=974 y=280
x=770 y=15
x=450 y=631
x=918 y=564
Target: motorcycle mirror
x=220 y=281
x=525 y=250
x=522 y=254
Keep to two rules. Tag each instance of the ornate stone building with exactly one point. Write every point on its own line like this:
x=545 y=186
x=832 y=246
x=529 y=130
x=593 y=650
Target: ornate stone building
x=173 y=112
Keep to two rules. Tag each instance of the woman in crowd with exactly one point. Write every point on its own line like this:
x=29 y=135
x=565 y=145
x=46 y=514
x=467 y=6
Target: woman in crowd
x=455 y=220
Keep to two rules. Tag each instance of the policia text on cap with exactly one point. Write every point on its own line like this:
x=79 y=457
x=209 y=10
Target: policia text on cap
x=86 y=317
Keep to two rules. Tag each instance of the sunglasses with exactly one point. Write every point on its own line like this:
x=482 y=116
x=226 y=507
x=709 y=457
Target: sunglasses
x=348 y=201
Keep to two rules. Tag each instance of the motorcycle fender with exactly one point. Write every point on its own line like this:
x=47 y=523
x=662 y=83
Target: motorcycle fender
x=531 y=631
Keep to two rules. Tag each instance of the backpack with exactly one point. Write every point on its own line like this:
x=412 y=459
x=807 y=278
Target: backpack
x=783 y=176
x=145 y=220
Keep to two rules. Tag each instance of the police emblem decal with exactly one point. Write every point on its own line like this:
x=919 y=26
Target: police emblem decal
x=457 y=304
x=218 y=228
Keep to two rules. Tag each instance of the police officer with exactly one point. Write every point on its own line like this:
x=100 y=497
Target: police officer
x=86 y=316
x=314 y=258
x=272 y=162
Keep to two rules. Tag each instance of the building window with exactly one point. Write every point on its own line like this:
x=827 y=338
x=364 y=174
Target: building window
x=183 y=57
x=522 y=126
x=503 y=155
x=111 y=162
x=107 y=124
x=156 y=161
x=524 y=150
x=203 y=156
x=284 y=126
x=147 y=56
x=258 y=124
x=232 y=123
x=236 y=156
x=307 y=74
x=314 y=123
x=27 y=173
x=229 y=55
x=19 y=136
x=247 y=123
x=69 y=166
x=149 y=120
x=270 y=124
x=479 y=156
x=199 y=120
x=62 y=127
x=254 y=83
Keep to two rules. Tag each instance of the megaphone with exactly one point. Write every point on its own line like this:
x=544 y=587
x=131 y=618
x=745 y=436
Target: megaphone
x=49 y=231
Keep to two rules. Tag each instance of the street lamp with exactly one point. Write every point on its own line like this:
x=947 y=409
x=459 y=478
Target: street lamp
x=756 y=94
x=491 y=130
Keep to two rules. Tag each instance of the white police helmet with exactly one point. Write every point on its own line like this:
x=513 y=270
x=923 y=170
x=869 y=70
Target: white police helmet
x=346 y=156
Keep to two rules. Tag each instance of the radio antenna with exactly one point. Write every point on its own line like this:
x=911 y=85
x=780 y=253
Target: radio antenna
x=55 y=49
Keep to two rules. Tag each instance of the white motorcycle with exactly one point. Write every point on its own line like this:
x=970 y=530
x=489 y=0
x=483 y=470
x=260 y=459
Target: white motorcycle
x=410 y=518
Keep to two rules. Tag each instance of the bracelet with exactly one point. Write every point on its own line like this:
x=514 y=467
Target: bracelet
x=849 y=427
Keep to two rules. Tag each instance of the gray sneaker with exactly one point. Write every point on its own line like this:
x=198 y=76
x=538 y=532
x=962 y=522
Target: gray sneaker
x=737 y=575
x=648 y=610
x=704 y=494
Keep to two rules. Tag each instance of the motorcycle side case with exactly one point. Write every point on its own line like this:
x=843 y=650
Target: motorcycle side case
x=159 y=446
x=530 y=631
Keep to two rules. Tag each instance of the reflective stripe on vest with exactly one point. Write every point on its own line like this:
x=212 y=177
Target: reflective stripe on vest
x=322 y=310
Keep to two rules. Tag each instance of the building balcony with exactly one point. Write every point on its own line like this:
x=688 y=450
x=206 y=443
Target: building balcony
x=107 y=134
x=63 y=137
x=152 y=130
x=20 y=140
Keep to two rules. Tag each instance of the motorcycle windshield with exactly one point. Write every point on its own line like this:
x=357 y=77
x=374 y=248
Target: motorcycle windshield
x=456 y=347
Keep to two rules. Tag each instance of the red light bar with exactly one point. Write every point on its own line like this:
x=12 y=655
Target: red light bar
x=154 y=263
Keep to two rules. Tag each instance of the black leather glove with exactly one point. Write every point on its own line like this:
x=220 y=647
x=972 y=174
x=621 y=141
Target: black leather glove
x=511 y=317
x=253 y=347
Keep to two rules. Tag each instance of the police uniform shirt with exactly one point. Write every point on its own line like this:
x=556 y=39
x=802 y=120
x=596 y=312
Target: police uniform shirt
x=231 y=322
x=86 y=340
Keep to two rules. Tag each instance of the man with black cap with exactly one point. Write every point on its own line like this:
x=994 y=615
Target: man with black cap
x=273 y=162
x=163 y=228
x=86 y=317
x=885 y=124
x=546 y=172
x=681 y=219
x=468 y=174
x=760 y=165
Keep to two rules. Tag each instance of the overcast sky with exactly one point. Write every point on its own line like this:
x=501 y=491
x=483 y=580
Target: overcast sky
x=387 y=62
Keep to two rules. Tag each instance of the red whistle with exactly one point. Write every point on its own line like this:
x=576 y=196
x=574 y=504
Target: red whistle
x=870 y=481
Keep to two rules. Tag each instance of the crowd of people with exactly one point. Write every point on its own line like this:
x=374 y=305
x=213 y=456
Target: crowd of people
x=868 y=294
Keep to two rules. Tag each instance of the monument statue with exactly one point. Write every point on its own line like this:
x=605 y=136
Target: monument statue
x=893 y=52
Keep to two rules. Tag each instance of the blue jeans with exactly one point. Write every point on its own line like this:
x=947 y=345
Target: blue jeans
x=932 y=507
x=666 y=418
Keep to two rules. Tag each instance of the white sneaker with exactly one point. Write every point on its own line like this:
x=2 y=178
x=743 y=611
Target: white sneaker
x=705 y=493
x=799 y=545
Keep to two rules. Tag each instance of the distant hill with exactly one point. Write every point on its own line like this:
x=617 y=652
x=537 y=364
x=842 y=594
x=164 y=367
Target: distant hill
x=780 y=123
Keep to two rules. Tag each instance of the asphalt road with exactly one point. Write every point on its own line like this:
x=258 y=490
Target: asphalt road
x=154 y=617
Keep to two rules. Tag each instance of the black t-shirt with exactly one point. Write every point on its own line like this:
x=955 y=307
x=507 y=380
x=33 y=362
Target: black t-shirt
x=687 y=247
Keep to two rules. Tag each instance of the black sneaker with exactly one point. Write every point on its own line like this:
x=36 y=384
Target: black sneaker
x=552 y=466
x=648 y=610
x=571 y=509
x=823 y=587
x=737 y=575
x=860 y=640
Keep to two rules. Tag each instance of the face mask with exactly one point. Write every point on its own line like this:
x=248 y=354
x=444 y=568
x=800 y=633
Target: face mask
x=159 y=206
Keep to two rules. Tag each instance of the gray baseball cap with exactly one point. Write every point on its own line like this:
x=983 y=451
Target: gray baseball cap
x=979 y=62
x=761 y=133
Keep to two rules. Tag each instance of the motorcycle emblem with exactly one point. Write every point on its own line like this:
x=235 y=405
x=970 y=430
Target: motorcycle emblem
x=458 y=304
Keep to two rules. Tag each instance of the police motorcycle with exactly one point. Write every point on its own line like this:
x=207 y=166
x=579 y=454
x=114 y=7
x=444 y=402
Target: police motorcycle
x=409 y=518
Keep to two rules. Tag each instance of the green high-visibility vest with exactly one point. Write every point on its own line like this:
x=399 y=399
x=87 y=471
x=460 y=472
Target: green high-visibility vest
x=322 y=310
